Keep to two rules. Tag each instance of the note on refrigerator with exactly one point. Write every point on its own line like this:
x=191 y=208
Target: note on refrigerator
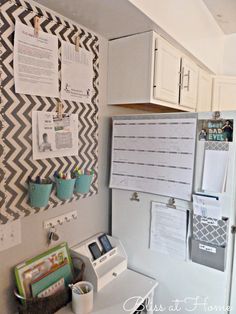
x=215 y=170
x=168 y=234
x=207 y=206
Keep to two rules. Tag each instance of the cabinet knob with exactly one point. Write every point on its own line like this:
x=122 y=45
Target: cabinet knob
x=114 y=274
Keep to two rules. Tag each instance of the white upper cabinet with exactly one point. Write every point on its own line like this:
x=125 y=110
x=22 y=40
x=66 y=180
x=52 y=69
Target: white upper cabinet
x=224 y=93
x=189 y=84
x=167 y=72
x=204 y=91
x=130 y=69
x=146 y=69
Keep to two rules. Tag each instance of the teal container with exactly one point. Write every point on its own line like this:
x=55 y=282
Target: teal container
x=65 y=188
x=83 y=183
x=39 y=194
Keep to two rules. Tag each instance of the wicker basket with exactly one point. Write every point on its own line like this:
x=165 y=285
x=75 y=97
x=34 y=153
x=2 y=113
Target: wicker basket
x=50 y=304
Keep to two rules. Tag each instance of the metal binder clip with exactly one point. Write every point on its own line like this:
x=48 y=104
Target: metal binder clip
x=135 y=197
x=171 y=203
x=77 y=41
x=36 y=25
x=216 y=115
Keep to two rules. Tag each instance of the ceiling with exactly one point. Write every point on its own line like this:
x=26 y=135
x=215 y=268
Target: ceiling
x=110 y=18
x=224 y=12
x=126 y=18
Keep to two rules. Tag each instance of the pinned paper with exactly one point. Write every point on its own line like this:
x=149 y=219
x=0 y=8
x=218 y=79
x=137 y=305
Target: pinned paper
x=215 y=171
x=207 y=206
x=35 y=61
x=76 y=73
x=53 y=136
x=168 y=233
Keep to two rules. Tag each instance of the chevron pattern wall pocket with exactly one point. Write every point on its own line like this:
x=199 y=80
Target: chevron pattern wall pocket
x=16 y=162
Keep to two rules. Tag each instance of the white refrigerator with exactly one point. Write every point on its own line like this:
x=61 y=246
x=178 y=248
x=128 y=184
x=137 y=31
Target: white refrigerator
x=184 y=286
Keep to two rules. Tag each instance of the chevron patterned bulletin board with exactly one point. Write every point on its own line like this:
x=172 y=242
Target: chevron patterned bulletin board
x=16 y=162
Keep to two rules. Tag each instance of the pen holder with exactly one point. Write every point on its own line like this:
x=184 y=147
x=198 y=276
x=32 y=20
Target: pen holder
x=39 y=194
x=64 y=188
x=82 y=184
x=82 y=303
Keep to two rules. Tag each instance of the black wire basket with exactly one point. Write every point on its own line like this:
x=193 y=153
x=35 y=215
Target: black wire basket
x=52 y=303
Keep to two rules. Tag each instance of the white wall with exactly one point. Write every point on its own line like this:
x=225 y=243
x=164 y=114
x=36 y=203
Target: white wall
x=93 y=212
x=228 y=66
x=191 y=24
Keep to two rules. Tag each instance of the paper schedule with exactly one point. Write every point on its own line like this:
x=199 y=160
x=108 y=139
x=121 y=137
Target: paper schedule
x=154 y=156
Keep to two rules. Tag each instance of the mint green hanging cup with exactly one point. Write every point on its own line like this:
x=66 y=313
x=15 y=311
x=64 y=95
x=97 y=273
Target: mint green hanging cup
x=64 y=188
x=39 y=194
x=83 y=183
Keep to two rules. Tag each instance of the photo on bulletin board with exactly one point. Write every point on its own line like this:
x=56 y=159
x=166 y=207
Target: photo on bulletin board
x=35 y=275
x=54 y=135
x=216 y=130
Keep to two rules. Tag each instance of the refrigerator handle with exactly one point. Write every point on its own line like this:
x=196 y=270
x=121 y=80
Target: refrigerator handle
x=233 y=229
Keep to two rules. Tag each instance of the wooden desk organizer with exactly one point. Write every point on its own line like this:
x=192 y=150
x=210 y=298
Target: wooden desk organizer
x=107 y=267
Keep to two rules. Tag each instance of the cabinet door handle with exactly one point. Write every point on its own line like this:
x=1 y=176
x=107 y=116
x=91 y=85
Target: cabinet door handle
x=181 y=77
x=188 y=75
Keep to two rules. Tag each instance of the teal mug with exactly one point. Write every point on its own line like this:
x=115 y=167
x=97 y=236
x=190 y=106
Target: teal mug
x=39 y=194
x=83 y=183
x=64 y=188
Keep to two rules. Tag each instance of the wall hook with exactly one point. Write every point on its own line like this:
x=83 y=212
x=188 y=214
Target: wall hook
x=59 y=220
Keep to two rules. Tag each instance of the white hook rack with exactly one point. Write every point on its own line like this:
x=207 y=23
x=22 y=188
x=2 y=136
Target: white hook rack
x=60 y=220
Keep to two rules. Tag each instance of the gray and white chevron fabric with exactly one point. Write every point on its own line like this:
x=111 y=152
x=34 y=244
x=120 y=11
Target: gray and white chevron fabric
x=16 y=109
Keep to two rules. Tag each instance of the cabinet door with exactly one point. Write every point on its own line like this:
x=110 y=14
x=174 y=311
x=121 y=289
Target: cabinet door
x=129 y=69
x=189 y=84
x=166 y=72
x=224 y=93
x=204 y=91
